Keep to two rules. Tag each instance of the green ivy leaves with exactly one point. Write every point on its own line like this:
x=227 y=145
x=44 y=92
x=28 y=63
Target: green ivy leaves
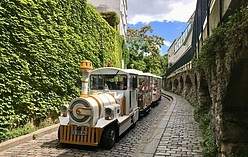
x=41 y=46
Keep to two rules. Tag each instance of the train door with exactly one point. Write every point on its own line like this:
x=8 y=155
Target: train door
x=133 y=92
x=159 y=86
x=146 y=97
x=149 y=90
x=141 y=83
x=154 y=90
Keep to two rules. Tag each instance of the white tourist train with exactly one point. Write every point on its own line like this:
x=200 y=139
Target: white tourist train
x=112 y=100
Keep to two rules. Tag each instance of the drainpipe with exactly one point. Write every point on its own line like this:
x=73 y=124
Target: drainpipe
x=85 y=67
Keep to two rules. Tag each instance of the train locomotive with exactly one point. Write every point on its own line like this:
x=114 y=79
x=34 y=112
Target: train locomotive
x=107 y=106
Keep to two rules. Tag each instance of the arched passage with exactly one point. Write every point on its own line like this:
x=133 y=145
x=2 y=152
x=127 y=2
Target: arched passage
x=175 y=85
x=181 y=84
x=188 y=85
x=170 y=85
x=204 y=98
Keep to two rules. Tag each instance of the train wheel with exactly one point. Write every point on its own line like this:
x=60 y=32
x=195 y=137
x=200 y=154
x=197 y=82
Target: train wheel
x=145 y=113
x=108 y=137
x=59 y=133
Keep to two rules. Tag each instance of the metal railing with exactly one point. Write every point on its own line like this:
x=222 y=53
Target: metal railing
x=183 y=68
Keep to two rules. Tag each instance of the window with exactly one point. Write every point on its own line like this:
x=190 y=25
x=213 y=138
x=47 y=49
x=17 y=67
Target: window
x=113 y=82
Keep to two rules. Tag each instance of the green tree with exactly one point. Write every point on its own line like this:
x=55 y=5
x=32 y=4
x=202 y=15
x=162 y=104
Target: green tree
x=164 y=64
x=144 y=49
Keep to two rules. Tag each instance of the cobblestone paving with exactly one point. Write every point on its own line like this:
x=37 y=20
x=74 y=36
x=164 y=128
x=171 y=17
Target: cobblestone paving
x=182 y=136
x=168 y=130
x=48 y=146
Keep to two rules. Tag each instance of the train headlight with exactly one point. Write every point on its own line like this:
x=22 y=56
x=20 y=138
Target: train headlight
x=63 y=110
x=109 y=113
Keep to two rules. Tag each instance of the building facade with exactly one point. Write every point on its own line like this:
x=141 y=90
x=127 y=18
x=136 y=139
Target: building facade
x=181 y=44
x=120 y=7
x=180 y=51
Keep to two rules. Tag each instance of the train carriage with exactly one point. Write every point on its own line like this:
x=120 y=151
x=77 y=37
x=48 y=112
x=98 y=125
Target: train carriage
x=148 y=88
x=106 y=108
x=143 y=100
x=156 y=93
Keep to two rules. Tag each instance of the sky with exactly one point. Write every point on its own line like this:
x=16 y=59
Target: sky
x=168 y=18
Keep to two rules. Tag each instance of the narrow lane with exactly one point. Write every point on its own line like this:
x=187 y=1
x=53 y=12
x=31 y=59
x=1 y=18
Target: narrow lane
x=176 y=133
x=168 y=130
x=129 y=143
x=182 y=136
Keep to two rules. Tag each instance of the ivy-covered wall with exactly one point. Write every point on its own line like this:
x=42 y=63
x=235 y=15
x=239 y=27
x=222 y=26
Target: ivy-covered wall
x=217 y=86
x=41 y=45
x=223 y=60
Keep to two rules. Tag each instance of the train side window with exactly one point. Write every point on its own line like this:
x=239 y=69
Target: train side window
x=135 y=82
x=125 y=83
x=96 y=82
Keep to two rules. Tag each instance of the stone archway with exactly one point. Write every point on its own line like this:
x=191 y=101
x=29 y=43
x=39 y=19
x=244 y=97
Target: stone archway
x=181 y=85
x=188 y=86
x=170 y=85
x=204 y=98
x=175 y=85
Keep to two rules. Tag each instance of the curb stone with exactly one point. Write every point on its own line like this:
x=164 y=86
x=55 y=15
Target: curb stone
x=25 y=138
x=152 y=138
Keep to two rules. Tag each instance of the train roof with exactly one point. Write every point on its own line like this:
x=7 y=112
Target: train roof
x=114 y=71
x=156 y=76
x=111 y=71
x=134 y=71
x=153 y=75
x=148 y=74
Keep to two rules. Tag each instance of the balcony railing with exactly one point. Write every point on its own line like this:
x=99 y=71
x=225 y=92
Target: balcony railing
x=183 y=68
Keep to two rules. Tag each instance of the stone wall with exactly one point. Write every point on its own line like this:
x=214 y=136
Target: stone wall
x=229 y=93
x=222 y=89
x=225 y=93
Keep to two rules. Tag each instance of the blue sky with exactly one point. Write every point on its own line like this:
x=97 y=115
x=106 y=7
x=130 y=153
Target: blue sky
x=168 y=30
x=168 y=18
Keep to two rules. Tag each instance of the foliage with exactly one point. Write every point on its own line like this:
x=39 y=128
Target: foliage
x=204 y=119
x=26 y=129
x=163 y=64
x=210 y=50
x=144 y=49
x=119 y=52
x=224 y=44
x=111 y=17
x=236 y=30
x=224 y=41
x=41 y=46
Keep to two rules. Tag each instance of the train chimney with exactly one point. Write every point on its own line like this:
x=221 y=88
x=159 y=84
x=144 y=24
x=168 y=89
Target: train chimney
x=85 y=67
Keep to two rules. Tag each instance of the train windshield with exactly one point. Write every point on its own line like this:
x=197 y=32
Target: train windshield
x=113 y=82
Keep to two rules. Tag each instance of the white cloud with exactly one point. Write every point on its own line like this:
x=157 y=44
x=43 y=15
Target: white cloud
x=146 y=11
x=167 y=43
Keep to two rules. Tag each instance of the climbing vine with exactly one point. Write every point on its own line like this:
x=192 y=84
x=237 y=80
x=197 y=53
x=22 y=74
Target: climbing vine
x=225 y=42
x=111 y=17
x=208 y=143
x=41 y=46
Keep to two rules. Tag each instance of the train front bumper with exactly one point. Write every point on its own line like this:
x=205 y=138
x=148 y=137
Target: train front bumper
x=80 y=135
